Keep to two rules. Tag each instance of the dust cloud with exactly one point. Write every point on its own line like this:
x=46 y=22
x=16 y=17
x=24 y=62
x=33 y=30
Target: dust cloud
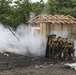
x=28 y=44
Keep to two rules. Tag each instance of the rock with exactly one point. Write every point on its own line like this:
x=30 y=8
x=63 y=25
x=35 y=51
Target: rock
x=51 y=65
x=41 y=66
x=70 y=65
x=36 y=66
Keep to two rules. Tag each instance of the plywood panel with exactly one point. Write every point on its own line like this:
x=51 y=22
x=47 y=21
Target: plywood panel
x=49 y=28
x=68 y=29
x=64 y=30
x=43 y=29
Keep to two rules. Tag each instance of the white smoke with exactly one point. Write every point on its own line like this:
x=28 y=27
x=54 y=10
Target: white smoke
x=75 y=47
x=28 y=44
x=60 y=33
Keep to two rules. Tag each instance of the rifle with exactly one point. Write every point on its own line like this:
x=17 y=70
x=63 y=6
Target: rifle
x=13 y=33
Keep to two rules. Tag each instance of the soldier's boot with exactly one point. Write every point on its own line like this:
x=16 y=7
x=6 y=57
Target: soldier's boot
x=70 y=57
x=60 y=56
x=73 y=57
x=66 y=56
x=49 y=52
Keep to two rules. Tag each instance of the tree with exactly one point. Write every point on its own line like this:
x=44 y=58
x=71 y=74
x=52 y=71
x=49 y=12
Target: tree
x=23 y=9
x=20 y=12
x=16 y=14
x=37 y=7
x=4 y=11
x=52 y=6
x=66 y=7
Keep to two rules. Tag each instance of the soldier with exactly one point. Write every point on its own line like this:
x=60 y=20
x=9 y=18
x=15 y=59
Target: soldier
x=64 y=47
x=50 y=47
x=70 y=46
x=60 y=48
x=60 y=42
x=55 y=48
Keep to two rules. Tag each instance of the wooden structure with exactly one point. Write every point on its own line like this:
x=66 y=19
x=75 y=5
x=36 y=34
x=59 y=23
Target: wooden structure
x=60 y=25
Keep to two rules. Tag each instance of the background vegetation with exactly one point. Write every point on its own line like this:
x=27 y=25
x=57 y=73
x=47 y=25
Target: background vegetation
x=21 y=10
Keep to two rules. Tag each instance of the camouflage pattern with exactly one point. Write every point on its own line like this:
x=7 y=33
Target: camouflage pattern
x=61 y=48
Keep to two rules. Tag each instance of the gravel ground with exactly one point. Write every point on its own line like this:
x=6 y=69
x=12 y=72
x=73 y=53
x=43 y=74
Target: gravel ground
x=23 y=65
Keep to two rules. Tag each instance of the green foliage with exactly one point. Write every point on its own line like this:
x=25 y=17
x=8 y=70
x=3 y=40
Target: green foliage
x=16 y=14
x=4 y=11
x=52 y=6
x=37 y=7
x=20 y=12
x=73 y=12
x=66 y=7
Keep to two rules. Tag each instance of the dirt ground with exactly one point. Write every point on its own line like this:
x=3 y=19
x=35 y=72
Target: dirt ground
x=23 y=65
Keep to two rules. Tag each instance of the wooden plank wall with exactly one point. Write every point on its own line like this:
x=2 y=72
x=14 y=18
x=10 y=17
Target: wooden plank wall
x=60 y=30
x=73 y=31
x=43 y=29
x=67 y=30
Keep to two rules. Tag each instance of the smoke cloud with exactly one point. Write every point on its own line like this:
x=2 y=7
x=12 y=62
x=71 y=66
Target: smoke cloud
x=30 y=45
x=75 y=47
x=60 y=33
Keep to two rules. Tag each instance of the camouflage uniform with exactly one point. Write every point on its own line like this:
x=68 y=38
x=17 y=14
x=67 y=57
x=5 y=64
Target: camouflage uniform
x=70 y=46
x=49 y=51
x=60 y=48
x=50 y=47
x=65 y=50
x=55 y=48
x=60 y=42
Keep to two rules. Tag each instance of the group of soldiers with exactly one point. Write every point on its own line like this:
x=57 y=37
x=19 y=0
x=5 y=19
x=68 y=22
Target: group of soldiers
x=61 y=48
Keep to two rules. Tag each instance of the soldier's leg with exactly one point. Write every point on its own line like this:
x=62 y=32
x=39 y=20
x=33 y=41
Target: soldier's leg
x=49 y=51
x=73 y=55
x=69 y=53
x=60 y=54
x=52 y=52
x=66 y=54
x=55 y=53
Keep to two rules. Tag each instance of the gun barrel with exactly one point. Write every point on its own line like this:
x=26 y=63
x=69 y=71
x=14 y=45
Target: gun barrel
x=13 y=34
